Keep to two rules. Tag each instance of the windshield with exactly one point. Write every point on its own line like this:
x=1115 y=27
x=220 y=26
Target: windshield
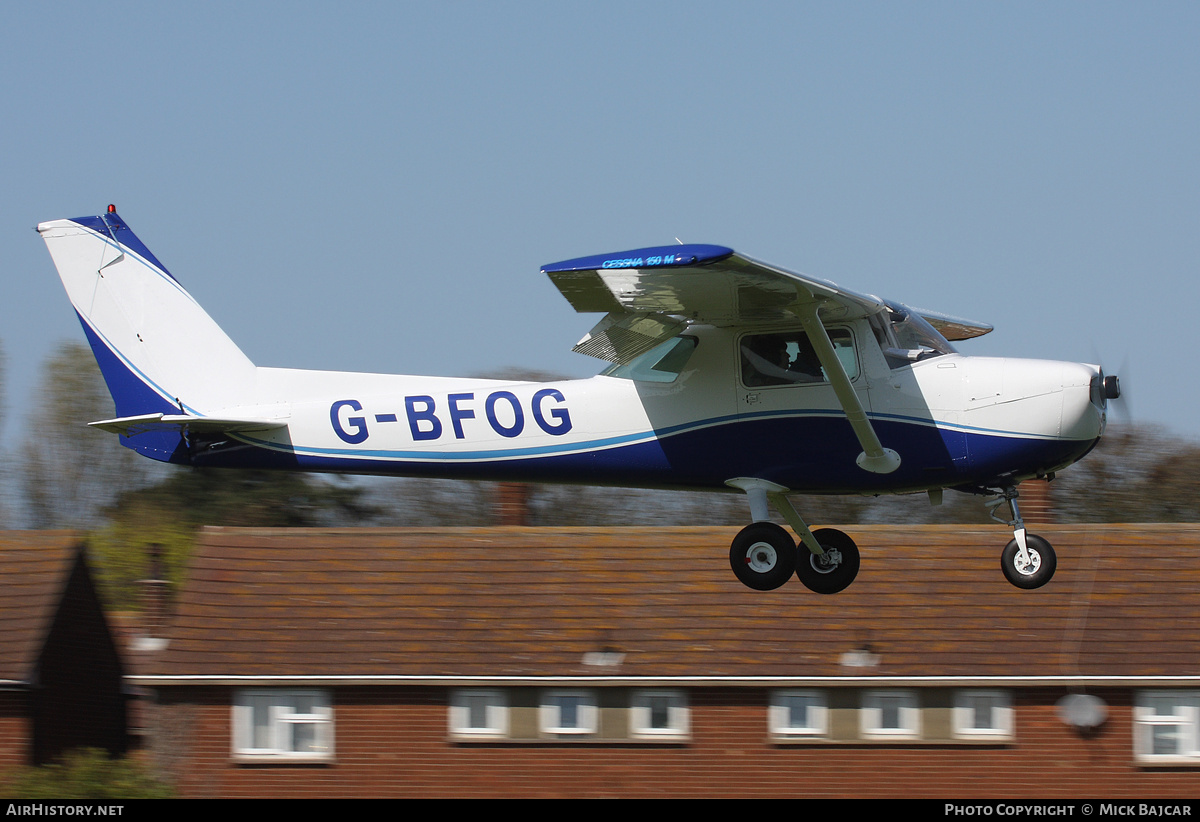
x=908 y=337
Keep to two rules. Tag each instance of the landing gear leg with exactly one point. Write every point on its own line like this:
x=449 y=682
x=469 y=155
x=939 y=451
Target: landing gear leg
x=826 y=561
x=1028 y=561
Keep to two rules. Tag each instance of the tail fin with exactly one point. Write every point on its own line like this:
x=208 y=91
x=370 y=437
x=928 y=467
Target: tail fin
x=158 y=350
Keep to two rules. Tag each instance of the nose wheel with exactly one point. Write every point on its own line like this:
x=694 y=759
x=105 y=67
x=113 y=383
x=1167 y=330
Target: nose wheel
x=1035 y=568
x=1028 y=561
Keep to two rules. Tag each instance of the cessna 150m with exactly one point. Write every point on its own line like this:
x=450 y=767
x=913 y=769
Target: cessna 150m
x=726 y=373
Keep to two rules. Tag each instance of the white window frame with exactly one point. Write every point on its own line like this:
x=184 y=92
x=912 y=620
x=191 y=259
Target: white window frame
x=641 y=710
x=965 y=714
x=908 y=714
x=1150 y=719
x=587 y=714
x=276 y=738
x=816 y=713
x=495 y=706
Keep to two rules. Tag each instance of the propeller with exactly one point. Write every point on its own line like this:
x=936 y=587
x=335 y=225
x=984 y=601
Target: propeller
x=1113 y=387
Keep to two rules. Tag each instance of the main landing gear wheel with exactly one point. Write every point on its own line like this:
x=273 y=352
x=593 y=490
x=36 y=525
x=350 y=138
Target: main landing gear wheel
x=1037 y=571
x=763 y=556
x=832 y=571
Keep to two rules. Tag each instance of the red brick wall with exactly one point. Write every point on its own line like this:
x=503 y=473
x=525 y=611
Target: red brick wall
x=14 y=730
x=393 y=743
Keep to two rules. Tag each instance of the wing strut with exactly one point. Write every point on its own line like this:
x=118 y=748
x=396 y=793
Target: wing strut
x=874 y=458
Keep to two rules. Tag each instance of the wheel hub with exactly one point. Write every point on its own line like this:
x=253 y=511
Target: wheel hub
x=827 y=562
x=1031 y=566
x=761 y=557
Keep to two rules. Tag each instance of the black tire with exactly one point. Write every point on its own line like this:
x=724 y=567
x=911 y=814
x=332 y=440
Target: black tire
x=821 y=576
x=1038 y=572
x=763 y=556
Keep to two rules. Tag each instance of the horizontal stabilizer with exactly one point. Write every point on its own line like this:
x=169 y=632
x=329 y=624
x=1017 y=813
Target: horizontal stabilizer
x=131 y=426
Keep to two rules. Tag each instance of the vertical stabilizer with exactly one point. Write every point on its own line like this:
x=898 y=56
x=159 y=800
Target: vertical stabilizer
x=158 y=350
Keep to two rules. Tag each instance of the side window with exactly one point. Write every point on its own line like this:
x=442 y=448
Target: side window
x=788 y=358
x=663 y=363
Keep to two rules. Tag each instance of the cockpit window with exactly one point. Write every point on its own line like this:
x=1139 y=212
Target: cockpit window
x=663 y=363
x=907 y=337
x=788 y=358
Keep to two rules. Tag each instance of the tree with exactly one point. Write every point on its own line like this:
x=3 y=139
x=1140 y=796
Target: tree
x=69 y=472
x=1135 y=474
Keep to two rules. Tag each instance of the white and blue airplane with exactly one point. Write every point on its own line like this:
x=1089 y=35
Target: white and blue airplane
x=726 y=373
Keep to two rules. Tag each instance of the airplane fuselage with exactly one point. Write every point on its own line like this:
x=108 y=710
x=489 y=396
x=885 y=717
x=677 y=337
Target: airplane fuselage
x=955 y=421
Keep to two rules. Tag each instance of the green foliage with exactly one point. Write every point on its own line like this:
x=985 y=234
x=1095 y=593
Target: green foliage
x=170 y=513
x=120 y=551
x=88 y=773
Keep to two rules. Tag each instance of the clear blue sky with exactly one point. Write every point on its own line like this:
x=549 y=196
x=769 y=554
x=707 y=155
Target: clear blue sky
x=373 y=186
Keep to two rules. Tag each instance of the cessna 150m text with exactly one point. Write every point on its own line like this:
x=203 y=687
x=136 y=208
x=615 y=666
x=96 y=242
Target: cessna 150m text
x=726 y=373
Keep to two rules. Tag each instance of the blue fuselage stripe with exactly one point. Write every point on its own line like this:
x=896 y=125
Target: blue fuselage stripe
x=811 y=452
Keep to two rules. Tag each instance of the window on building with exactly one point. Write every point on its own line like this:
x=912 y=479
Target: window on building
x=659 y=713
x=982 y=714
x=479 y=712
x=797 y=714
x=1167 y=726
x=890 y=715
x=569 y=712
x=280 y=723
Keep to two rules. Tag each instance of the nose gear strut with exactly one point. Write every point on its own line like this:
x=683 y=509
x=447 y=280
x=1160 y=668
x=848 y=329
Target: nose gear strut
x=1028 y=561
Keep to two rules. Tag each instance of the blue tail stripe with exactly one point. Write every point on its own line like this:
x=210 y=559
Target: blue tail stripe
x=131 y=394
x=114 y=227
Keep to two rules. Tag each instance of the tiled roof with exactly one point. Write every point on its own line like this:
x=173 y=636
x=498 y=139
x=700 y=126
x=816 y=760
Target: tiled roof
x=533 y=602
x=34 y=567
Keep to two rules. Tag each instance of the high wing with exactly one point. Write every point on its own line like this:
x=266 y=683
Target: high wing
x=650 y=294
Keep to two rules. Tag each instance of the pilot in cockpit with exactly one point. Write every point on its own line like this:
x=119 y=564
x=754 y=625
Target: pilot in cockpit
x=768 y=359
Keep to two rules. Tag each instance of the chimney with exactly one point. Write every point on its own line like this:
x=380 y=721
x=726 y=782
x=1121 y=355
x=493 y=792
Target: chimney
x=1037 y=505
x=512 y=503
x=155 y=591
